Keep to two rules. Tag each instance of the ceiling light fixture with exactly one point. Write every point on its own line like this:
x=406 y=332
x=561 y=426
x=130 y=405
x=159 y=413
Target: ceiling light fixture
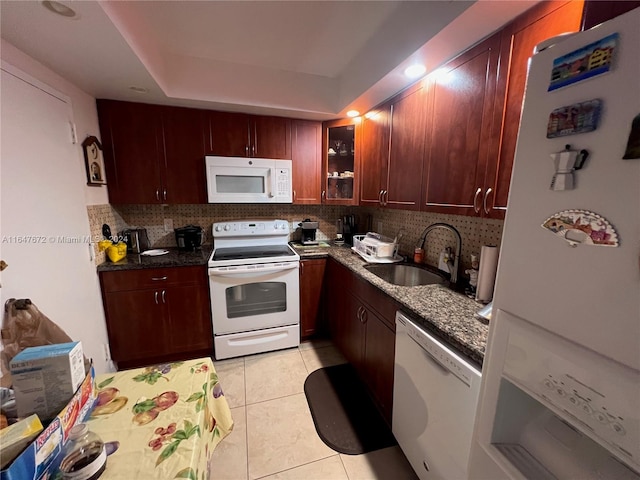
x=414 y=71
x=139 y=89
x=353 y=113
x=370 y=114
x=59 y=8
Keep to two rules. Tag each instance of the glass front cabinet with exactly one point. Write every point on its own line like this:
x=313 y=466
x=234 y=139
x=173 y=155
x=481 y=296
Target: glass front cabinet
x=341 y=162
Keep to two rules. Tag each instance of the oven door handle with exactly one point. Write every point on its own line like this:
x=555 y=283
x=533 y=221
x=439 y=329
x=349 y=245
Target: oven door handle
x=253 y=272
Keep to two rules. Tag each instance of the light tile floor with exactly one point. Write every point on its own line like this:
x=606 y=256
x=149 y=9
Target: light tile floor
x=274 y=437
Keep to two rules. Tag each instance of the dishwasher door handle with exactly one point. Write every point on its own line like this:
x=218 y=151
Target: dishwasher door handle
x=437 y=362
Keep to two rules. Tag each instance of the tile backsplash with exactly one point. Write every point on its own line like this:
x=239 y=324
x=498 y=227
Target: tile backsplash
x=475 y=232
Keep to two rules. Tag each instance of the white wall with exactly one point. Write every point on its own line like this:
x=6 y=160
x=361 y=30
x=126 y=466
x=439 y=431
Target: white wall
x=84 y=107
x=92 y=329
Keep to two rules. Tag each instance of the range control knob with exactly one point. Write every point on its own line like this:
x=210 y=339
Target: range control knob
x=218 y=228
x=227 y=228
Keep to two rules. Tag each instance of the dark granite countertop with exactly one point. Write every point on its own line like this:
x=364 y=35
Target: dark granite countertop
x=440 y=310
x=175 y=258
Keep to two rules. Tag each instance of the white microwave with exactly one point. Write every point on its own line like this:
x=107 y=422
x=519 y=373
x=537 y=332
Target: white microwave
x=248 y=180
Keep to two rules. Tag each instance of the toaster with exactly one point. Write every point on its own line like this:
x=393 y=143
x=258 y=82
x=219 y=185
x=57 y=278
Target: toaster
x=136 y=239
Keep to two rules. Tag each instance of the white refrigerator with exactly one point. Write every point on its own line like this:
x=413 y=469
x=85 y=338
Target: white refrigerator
x=560 y=394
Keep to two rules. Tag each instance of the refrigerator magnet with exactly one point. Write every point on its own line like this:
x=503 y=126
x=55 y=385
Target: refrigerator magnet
x=586 y=62
x=573 y=119
x=582 y=227
x=633 y=143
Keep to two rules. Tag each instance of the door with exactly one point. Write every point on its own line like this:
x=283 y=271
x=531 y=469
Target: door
x=137 y=324
x=183 y=179
x=242 y=301
x=518 y=40
x=188 y=317
x=228 y=134
x=133 y=151
x=375 y=156
x=459 y=143
x=311 y=275
x=340 y=139
x=45 y=228
x=306 y=154
x=271 y=138
x=404 y=177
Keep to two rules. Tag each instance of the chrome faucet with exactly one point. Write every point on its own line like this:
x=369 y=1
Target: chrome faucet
x=446 y=226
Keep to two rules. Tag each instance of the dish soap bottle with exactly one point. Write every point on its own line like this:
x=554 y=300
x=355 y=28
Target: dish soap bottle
x=84 y=455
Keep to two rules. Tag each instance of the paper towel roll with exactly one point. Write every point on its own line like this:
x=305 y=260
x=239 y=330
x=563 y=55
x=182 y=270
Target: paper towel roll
x=487 y=273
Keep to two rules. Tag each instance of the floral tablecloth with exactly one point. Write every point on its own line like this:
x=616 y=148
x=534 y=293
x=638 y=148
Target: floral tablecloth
x=162 y=421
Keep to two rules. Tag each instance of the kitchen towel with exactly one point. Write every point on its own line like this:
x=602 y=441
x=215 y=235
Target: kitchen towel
x=487 y=273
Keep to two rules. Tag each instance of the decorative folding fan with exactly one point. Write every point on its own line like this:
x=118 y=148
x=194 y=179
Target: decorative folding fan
x=582 y=227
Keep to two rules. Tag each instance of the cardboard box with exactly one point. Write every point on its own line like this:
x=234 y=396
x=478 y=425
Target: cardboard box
x=16 y=437
x=46 y=377
x=42 y=457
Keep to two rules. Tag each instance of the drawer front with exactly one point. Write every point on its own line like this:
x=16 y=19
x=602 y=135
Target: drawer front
x=384 y=305
x=152 y=278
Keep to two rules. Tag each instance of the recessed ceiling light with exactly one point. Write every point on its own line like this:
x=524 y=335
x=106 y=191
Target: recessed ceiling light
x=414 y=71
x=139 y=89
x=370 y=114
x=59 y=8
x=353 y=113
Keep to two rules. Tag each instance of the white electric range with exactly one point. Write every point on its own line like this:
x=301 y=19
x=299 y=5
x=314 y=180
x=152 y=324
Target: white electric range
x=254 y=284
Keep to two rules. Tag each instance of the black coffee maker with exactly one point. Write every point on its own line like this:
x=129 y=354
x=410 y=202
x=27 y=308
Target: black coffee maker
x=309 y=229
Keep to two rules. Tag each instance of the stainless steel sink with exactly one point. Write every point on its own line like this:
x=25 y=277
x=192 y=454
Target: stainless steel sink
x=404 y=275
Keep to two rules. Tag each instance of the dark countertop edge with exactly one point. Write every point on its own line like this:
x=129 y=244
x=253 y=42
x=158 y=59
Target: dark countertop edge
x=175 y=258
x=473 y=353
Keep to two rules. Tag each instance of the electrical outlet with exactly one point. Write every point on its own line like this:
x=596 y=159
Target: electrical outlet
x=168 y=224
x=379 y=227
x=295 y=224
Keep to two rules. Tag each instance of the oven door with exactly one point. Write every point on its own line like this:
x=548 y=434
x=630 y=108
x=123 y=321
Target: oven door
x=254 y=297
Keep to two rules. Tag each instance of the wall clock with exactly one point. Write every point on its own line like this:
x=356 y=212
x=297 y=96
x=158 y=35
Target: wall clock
x=94 y=161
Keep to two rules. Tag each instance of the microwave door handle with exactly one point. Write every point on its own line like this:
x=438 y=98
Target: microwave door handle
x=272 y=193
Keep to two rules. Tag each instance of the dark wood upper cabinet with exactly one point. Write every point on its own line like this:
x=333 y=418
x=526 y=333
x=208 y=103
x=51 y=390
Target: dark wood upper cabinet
x=341 y=161
x=458 y=141
x=306 y=153
x=376 y=130
x=519 y=38
x=153 y=154
x=183 y=176
x=133 y=152
x=404 y=173
x=240 y=135
x=598 y=11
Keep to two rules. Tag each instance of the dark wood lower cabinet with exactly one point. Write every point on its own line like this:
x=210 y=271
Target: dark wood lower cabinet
x=157 y=315
x=362 y=327
x=311 y=275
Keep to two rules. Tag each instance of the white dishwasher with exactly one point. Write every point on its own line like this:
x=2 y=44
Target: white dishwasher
x=435 y=395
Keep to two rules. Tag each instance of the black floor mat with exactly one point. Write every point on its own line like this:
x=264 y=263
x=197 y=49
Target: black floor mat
x=344 y=415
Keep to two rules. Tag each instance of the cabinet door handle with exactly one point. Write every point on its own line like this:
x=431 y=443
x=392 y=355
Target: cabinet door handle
x=164 y=193
x=484 y=201
x=246 y=150
x=385 y=197
x=380 y=197
x=157 y=194
x=294 y=195
x=363 y=319
x=159 y=279
x=476 y=207
x=163 y=293
x=324 y=194
x=156 y=297
x=253 y=150
x=301 y=268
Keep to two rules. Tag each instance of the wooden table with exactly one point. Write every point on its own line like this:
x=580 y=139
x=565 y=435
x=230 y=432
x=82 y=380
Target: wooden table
x=162 y=421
